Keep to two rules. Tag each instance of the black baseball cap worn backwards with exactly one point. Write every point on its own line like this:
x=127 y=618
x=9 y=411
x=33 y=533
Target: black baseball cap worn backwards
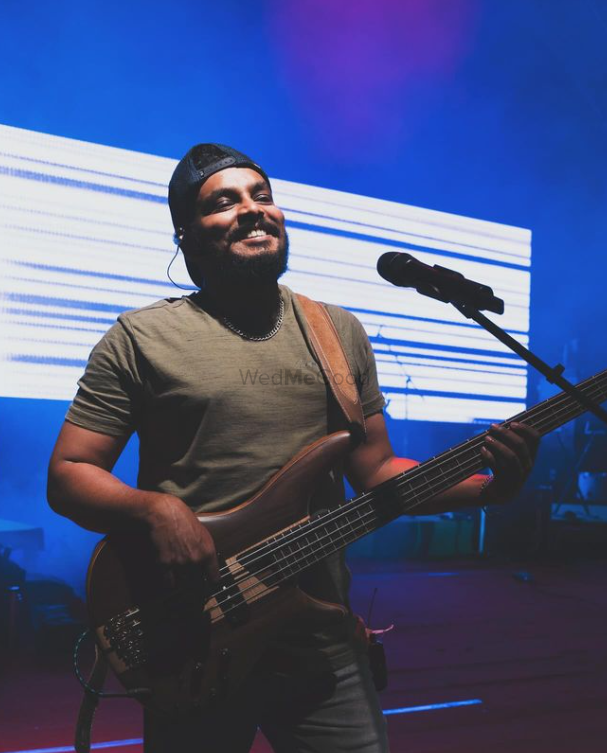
x=201 y=161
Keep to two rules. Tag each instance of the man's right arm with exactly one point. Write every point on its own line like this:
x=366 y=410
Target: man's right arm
x=81 y=487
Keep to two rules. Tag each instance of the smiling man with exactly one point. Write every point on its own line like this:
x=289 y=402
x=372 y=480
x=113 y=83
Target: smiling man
x=210 y=439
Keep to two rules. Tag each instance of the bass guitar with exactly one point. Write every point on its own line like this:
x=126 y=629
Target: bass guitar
x=191 y=647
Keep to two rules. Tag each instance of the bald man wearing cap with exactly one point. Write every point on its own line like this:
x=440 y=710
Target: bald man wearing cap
x=180 y=373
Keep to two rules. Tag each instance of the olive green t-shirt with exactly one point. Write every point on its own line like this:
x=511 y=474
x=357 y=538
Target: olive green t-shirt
x=218 y=415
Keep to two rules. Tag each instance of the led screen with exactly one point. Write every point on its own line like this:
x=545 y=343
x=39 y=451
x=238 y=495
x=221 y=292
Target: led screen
x=85 y=234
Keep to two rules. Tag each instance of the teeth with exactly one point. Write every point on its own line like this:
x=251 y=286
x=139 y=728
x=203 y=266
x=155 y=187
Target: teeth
x=255 y=234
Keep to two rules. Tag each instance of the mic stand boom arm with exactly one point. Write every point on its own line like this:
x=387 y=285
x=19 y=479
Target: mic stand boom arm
x=554 y=376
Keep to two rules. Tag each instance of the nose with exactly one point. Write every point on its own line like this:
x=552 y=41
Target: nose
x=249 y=207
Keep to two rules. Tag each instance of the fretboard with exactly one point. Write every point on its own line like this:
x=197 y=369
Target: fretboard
x=301 y=546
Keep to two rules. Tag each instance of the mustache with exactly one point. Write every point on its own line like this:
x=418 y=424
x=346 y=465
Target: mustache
x=242 y=232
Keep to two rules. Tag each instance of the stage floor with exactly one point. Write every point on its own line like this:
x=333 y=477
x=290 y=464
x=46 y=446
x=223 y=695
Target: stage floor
x=526 y=643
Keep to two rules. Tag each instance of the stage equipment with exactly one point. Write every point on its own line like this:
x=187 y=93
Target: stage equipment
x=584 y=498
x=468 y=298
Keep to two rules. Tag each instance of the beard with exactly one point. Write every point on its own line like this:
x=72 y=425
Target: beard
x=261 y=268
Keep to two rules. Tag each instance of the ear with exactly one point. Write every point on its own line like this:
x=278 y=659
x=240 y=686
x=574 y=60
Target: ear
x=185 y=240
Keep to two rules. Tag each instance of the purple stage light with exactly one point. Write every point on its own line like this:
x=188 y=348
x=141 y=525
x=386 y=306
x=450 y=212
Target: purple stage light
x=352 y=65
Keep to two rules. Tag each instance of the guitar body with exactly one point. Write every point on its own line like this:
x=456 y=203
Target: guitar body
x=182 y=648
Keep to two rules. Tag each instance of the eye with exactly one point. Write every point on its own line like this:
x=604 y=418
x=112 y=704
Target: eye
x=266 y=198
x=221 y=204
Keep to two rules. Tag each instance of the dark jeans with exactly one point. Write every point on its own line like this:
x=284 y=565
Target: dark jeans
x=336 y=712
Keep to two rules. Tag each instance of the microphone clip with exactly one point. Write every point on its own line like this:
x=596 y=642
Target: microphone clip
x=455 y=288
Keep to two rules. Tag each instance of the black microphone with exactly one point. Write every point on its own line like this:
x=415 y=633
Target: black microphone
x=445 y=285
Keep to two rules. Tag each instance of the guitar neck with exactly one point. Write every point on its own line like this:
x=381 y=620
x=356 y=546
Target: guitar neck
x=307 y=543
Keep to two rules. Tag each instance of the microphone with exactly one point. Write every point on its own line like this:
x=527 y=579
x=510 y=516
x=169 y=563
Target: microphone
x=445 y=285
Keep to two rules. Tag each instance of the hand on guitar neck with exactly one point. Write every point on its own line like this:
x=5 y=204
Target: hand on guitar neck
x=510 y=453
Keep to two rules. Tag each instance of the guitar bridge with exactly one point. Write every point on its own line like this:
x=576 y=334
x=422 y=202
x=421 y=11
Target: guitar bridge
x=125 y=636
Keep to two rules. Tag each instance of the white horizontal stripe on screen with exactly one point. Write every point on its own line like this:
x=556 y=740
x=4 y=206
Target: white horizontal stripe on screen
x=85 y=233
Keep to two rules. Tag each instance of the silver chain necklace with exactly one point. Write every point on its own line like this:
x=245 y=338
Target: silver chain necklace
x=260 y=338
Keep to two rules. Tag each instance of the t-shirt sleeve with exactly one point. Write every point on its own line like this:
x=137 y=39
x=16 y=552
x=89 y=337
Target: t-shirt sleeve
x=110 y=390
x=361 y=359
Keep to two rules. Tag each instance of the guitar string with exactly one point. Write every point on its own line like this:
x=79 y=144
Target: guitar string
x=357 y=526
x=275 y=574
x=232 y=591
x=412 y=474
x=360 y=523
x=224 y=596
x=392 y=484
x=229 y=593
x=282 y=564
x=291 y=564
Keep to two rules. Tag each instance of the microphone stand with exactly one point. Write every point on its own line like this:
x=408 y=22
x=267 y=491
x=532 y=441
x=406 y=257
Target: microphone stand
x=553 y=375
x=468 y=297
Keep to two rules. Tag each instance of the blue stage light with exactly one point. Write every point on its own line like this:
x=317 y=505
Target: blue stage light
x=94 y=746
x=432 y=707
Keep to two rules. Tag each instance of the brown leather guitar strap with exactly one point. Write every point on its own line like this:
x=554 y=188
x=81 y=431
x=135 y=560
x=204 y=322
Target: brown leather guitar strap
x=325 y=342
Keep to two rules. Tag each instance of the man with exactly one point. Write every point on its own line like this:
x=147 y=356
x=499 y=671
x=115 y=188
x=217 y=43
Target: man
x=176 y=372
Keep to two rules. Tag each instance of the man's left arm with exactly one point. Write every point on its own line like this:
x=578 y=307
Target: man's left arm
x=508 y=452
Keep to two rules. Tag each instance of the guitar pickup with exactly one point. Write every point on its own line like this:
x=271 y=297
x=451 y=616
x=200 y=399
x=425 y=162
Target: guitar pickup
x=230 y=598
